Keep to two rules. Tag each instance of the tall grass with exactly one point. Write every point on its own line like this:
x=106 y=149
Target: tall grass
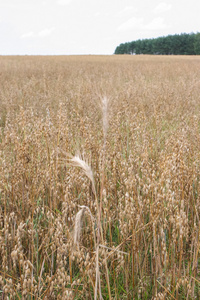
x=99 y=177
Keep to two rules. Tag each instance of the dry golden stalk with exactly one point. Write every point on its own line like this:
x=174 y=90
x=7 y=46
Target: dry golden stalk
x=142 y=142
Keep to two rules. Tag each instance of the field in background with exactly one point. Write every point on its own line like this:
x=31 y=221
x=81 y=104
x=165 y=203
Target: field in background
x=126 y=228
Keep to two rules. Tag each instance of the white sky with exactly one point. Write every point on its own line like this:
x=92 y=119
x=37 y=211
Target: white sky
x=90 y=26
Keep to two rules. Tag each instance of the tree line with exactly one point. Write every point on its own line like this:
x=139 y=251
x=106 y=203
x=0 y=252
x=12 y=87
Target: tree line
x=177 y=44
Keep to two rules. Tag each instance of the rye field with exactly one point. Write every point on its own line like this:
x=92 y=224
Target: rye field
x=100 y=177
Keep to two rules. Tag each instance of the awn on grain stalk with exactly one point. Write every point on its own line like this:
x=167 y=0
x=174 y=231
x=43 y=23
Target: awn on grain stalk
x=78 y=161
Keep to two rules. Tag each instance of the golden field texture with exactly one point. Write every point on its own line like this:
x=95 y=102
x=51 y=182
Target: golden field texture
x=100 y=177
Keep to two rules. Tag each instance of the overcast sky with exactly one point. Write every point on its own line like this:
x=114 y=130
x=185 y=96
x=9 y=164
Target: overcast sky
x=90 y=26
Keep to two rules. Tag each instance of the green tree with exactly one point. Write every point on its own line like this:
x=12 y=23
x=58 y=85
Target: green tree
x=131 y=47
x=197 y=44
x=177 y=44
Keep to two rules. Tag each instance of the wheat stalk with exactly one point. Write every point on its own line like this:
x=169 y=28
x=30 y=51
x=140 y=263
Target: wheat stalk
x=78 y=223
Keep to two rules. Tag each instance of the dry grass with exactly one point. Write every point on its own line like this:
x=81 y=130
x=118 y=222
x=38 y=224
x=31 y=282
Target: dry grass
x=99 y=177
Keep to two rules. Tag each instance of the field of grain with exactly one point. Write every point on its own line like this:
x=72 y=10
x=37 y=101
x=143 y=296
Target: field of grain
x=100 y=177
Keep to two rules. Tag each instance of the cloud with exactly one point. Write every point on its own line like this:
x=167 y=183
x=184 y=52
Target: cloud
x=156 y=24
x=97 y=14
x=162 y=7
x=46 y=32
x=43 y=33
x=27 y=35
x=132 y=23
x=126 y=11
x=64 y=2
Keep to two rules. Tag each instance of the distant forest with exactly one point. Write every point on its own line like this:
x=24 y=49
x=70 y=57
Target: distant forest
x=178 y=44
